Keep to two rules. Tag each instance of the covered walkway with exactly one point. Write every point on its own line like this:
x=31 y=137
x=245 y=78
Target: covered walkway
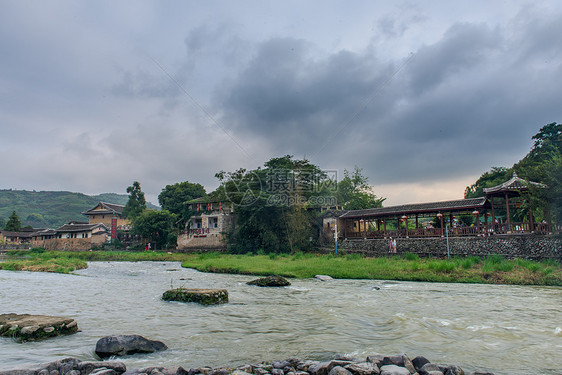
x=503 y=210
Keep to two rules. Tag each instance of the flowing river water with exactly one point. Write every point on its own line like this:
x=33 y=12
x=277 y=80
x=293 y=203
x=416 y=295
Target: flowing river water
x=503 y=329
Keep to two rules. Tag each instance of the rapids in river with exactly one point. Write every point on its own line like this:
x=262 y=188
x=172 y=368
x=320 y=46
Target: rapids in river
x=499 y=328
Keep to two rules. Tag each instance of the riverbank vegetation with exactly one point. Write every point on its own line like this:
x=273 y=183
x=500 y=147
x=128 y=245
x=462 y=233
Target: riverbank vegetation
x=408 y=267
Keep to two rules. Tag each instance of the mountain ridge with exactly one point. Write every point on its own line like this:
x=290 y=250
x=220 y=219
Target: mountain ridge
x=51 y=209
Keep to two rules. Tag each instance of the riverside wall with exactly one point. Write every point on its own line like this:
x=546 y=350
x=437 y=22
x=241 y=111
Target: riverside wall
x=534 y=247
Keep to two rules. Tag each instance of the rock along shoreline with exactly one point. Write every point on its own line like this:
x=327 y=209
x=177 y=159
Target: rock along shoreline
x=375 y=364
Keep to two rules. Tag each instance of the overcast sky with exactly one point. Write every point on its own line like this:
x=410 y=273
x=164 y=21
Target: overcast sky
x=423 y=96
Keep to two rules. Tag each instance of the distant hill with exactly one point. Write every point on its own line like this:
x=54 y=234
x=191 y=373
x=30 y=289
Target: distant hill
x=51 y=209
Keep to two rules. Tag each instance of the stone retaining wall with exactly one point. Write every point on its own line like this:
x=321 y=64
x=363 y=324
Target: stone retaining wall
x=536 y=247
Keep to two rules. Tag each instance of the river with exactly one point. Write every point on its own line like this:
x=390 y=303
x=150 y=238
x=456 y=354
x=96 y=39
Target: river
x=503 y=329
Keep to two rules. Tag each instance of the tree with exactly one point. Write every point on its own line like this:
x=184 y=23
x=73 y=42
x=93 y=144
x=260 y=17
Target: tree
x=136 y=203
x=494 y=177
x=543 y=164
x=13 y=224
x=273 y=205
x=173 y=198
x=355 y=193
x=156 y=227
x=2 y=223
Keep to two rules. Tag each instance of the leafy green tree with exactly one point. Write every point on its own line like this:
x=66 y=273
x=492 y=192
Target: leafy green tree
x=273 y=205
x=173 y=198
x=156 y=227
x=14 y=223
x=355 y=193
x=2 y=223
x=495 y=176
x=136 y=203
x=542 y=164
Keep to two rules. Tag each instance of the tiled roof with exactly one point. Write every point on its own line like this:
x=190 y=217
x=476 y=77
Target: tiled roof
x=418 y=208
x=514 y=184
x=110 y=208
x=79 y=227
x=26 y=234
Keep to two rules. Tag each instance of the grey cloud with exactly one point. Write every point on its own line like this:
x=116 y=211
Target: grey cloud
x=287 y=94
x=462 y=105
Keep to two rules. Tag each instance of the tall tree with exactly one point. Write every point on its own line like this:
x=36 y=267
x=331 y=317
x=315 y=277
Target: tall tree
x=13 y=224
x=173 y=198
x=136 y=203
x=156 y=227
x=355 y=193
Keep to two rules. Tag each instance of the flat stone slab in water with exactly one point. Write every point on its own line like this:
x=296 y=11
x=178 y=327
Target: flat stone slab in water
x=26 y=327
x=202 y=296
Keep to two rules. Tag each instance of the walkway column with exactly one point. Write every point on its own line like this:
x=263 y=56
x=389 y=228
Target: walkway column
x=493 y=214
x=508 y=215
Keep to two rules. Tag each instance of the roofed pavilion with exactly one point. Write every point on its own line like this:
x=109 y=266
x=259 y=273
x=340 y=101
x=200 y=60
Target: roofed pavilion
x=415 y=220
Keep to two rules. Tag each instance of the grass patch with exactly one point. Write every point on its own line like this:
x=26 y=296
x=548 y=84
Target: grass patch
x=410 y=267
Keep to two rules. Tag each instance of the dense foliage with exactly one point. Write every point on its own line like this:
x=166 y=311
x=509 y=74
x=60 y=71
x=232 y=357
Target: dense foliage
x=542 y=164
x=275 y=204
x=156 y=228
x=173 y=198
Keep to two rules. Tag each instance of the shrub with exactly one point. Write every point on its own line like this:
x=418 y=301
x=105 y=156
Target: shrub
x=411 y=256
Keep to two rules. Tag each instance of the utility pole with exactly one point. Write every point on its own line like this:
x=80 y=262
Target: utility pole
x=447 y=234
x=336 y=236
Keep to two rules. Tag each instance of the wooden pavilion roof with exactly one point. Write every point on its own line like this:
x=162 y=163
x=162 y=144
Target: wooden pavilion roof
x=419 y=208
x=515 y=184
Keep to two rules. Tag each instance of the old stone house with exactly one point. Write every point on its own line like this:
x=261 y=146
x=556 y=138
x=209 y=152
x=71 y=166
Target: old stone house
x=104 y=213
x=206 y=230
x=72 y=236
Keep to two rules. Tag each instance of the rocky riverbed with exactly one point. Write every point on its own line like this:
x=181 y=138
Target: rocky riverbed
x=375 y=364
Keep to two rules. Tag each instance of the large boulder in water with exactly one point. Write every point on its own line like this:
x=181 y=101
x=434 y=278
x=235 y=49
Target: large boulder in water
x=270 y=281
x=126 y=344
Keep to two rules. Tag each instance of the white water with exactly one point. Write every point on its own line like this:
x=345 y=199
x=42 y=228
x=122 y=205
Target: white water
x=503 y=329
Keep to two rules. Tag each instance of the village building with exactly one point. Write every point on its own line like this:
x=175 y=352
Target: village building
x=104 y=213
x=23 y=236
x=207 y=229
x=72 y=236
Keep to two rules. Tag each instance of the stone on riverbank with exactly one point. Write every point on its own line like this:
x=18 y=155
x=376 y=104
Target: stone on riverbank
x=26 y=327
x=345 y=366
x=70 y=366
x=126 y=344
x=323 y=277
x=202 y=296
x=274 y=281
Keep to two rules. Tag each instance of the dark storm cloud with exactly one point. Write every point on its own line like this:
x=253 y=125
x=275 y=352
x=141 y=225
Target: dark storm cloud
x=461 y=105
x=286 y=92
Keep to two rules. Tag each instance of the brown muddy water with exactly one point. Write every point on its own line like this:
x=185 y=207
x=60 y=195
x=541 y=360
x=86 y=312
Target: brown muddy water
x=503 y=329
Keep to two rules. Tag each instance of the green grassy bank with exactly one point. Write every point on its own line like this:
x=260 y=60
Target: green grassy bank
x=490 y=270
